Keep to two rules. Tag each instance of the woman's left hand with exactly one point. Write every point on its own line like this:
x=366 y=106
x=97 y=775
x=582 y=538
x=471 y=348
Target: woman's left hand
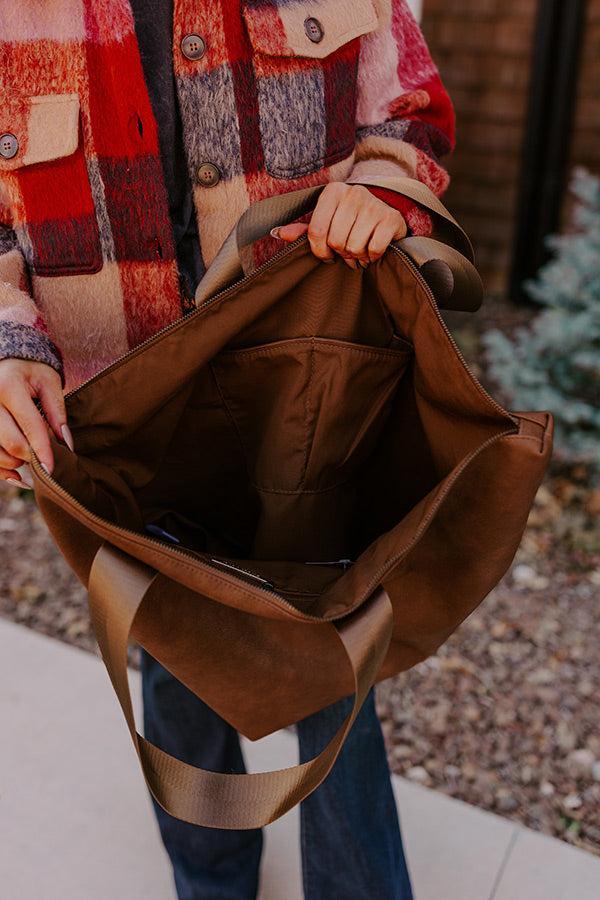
x=350 y=221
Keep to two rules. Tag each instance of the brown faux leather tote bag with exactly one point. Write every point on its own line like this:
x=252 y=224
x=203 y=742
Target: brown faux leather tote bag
x=292 y=493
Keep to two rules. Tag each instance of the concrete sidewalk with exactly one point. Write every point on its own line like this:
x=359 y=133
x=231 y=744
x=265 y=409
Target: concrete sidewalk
x=76 y=823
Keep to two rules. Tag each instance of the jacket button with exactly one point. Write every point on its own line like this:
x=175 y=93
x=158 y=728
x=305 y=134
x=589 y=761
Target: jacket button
x=9 y=145
x=314 y=30
x=208 y=175
x=193 y=46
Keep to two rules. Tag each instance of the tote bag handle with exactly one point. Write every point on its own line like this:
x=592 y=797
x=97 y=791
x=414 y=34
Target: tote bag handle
x=446 y=263
x=118 y=585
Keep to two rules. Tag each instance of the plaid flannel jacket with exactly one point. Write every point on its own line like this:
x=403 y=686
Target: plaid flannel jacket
x=87 y=260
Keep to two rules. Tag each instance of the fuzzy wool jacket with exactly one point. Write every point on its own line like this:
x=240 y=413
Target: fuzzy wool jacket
x=282 y=95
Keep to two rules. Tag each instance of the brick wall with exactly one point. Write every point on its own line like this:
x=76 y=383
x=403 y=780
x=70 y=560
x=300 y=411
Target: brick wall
x=585 y=147
x=483 y=49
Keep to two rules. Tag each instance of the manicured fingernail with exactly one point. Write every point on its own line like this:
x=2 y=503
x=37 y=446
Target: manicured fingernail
x=274 y=232
x=20 y=484
x=67 y=437
x=25 y=474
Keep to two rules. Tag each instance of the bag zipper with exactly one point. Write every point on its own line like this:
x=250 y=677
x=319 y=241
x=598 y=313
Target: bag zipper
x=233 y=567
x=440 y=318
x=375 y=581
x=221 y=295
x=178 y=323
x=334 y=563
x=187 y=555
x=167 y=547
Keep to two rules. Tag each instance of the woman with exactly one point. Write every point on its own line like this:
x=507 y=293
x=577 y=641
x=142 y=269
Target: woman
x=131 y=140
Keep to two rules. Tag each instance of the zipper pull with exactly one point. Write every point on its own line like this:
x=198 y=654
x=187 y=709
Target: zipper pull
x=244 y=573
x=341 y=563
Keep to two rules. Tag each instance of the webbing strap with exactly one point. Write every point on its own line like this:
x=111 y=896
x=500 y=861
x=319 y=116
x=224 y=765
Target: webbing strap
x=454 y=249
x=118 y=586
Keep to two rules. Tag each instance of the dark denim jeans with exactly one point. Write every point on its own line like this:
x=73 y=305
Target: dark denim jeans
x=350 y=836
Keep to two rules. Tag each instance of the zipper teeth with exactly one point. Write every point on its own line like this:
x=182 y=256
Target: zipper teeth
x=341 y=563
x=190 y=555
x=440 y=318
x=227 y=564
x=381 y=572
x=254 y=274
x=167 y=548
x=178 y=323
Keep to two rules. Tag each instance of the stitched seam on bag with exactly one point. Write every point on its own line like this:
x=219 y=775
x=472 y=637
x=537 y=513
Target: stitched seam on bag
x=489 y=400
x=344 y=346
x=333 y=487
x=451 y=412
x=380 y=399
x=426 y=521
x=244 y=449
x=307 y=417
x=421 y=529
x=533 y=421
x=529 y=437
x=231 y=417
x=210 y=575
x=543 y=437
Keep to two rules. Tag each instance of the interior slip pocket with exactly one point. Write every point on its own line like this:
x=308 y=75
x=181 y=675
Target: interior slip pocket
x=307 y=412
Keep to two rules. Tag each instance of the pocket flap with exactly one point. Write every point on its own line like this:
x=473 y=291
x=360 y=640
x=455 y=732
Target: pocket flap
x=301 y=28
x=38 y=129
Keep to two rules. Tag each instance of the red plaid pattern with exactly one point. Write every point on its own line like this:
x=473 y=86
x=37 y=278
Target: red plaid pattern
x=87 y=260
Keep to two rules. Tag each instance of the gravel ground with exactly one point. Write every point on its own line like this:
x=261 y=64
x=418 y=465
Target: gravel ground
x=505 y=716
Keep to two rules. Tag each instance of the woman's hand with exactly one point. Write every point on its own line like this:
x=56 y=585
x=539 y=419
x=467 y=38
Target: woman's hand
x=350 y=221
x=22 y=426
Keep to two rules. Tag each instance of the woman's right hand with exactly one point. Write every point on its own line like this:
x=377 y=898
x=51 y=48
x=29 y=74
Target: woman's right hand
x=22 y=427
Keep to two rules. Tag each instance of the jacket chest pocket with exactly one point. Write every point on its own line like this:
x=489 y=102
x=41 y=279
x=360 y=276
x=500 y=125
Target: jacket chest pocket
x=46 y=187
x=305 y=57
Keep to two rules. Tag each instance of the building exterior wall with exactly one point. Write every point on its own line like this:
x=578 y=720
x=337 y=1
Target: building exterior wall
x=585 y=146
x=483 y=49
